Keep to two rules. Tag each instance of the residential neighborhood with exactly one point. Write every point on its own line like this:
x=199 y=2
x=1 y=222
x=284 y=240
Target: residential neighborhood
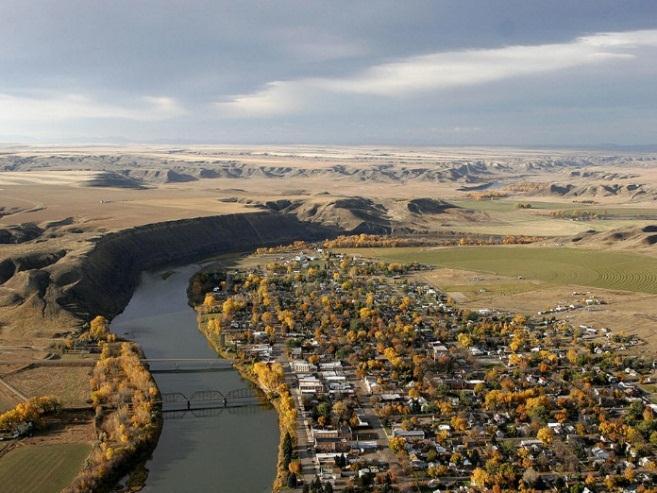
x=397 y=389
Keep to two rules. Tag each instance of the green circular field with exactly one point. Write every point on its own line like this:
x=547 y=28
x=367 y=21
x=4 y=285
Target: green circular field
x=595 y=268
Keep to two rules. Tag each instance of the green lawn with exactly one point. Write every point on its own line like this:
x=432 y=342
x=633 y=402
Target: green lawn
x=41 y=468
x=595 y=268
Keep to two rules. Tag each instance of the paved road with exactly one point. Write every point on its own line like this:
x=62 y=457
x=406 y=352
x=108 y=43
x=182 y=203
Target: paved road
x=305 y=449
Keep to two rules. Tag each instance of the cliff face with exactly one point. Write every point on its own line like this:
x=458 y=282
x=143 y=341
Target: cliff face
x=101 y=279
x=110 y=272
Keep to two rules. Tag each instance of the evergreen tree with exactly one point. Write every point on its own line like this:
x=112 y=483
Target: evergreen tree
x=288 y=448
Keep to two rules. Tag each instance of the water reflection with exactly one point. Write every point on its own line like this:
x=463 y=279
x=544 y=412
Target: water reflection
x=227 y=450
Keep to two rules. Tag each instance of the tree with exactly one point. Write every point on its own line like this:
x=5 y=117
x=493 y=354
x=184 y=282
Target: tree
x=295 y=467
x=479 y=478
x=313 y=359
x=459 y=423
x=99 y=328
x=464 y=340
x=610 y=482
x=339 y=409
x=228 y=307
x=32 y=410
x=545 y=434
x=397 y=444
x=324 y=409
x=270 y=375
x=530 y=476
x=288 y=448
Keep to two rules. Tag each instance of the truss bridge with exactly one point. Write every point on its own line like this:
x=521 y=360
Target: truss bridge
x=208 y=400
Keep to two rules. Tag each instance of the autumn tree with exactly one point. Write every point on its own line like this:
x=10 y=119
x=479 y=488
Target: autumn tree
x=545 y=435
x=99 y=328
x=480 y=478
x=397 y=444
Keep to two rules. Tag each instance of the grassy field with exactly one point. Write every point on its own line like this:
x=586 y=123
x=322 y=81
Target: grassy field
x=69 y=384
x=41 y=468
x=595 y=268
x=507 y=218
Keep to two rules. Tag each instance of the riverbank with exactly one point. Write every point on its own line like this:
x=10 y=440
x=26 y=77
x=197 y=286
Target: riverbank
x=230 y=449
x=49 y=289
x=128 y=419
x=100 y=274
x=281 y=401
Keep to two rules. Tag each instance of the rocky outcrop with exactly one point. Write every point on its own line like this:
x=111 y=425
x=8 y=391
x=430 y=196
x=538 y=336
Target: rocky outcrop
x=19 y=233
x=428 y=206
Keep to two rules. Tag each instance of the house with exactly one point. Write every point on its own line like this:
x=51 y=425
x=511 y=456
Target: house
x=331 y=365
x=438 y=348
x=339 y=387
x=301 y=366
x=329 y=440
x=408 y=434
x=309 y=384
x=371 y=385
x=475 y=351
x=531 y=443
x=555 y=427
x=599 y=453
x=362 y=422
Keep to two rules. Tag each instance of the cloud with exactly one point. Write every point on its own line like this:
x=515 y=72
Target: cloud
x=59 y=107
x=440 y=71
x=277 y=98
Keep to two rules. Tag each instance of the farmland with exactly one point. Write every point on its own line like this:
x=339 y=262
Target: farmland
x=41 y=469
x=549 y=218
x=71 y=384
x=594 y=268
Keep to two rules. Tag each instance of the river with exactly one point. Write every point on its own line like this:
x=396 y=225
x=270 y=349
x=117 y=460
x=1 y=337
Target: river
x=233 y=451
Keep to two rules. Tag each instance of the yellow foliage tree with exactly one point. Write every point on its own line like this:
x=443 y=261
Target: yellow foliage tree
x=545 y=435
x=99 y=328
x=479 y=478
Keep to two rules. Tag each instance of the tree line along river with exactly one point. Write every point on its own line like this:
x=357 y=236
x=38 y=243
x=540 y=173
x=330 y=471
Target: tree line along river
x=229 y=450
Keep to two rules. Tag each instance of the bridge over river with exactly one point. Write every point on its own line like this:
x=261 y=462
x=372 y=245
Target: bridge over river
x=233 y=446
x=203 y=400
x=187 y=365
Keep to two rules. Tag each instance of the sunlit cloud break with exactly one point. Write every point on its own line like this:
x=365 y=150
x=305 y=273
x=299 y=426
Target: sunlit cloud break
x=441 y=70
x=58 y=107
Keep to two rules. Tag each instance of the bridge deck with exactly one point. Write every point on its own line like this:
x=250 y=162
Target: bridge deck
x=208 y=369
x=229 y=405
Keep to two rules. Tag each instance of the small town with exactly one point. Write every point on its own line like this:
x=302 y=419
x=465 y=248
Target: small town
x=383 y=384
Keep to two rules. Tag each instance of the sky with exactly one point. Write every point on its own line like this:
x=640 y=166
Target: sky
x=467 y=72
